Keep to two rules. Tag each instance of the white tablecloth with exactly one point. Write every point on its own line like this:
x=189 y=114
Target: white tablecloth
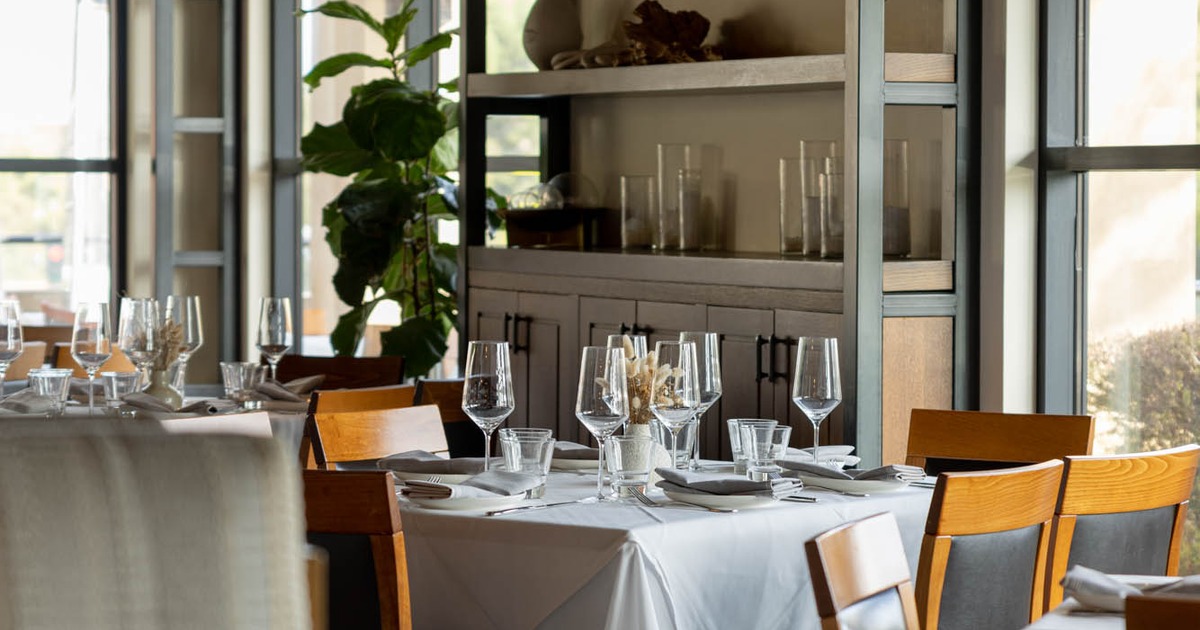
x=1070 y=615
x=624 y=565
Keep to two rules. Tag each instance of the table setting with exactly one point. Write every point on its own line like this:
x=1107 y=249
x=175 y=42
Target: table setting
x=1096 y=600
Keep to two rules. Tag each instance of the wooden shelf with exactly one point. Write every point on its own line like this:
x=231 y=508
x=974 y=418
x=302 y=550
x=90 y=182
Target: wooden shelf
x=742 y=75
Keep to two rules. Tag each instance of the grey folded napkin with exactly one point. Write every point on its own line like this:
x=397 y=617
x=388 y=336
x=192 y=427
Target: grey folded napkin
x=484 y=485
x=304 y=385
x=894 y=472
x=572 y=450
x=840 y=453
x=1099 y=591
x=145 y=402
x=428 y=463
x=79 y=389
x=274 y=390
x=210 y=407
x=723 y=483
x=26 y=402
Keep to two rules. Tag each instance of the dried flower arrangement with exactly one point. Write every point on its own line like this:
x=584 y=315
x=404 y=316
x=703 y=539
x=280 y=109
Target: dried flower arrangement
x=640 y=380
x=170 y=343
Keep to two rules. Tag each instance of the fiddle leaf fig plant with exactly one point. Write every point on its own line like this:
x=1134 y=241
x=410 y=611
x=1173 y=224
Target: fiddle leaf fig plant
x=396 y=143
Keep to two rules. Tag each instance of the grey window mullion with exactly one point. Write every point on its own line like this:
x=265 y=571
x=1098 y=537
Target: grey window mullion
x=164 y=147
x=57 y=165
x=286 y=267
x=1179 y=157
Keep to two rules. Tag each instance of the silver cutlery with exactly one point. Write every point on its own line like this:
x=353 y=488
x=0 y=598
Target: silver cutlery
x=526 y=508
x=828 y=489
x=647 y=501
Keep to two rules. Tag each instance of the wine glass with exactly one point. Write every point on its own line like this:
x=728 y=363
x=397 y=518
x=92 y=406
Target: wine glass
x=275 y=329
x=602 y=403
x=708 y=373
x=487 y=389
x=12 y=341
x=817 y=388
x=137 y=332
x=184 y=311
x=91 y=342
x=676 y=394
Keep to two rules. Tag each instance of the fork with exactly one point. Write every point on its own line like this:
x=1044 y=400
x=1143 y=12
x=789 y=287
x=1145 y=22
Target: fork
x=647 y=501
x=434 y=479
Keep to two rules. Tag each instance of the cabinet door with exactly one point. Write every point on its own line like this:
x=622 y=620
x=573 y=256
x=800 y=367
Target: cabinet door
x=745 y=390
x=547 y=355
x=601 y=317
x=490 y=312
x=666 y=321
x=790 y=326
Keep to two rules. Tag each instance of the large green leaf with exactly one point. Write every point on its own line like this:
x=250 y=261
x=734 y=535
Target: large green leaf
x=332 y=150
x=334 y=224
x=427 y=49
x=348 y=11
x=394 y=27
x=421 y=342
x=393 y=120
x=351 y=279
x=445 y=267
x=349 y=329
x=338 y=64
x=449 y=109
x=378 y=206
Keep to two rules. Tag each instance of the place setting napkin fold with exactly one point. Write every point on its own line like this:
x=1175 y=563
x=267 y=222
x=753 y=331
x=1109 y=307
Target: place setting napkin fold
x=573 y=450
x=893 y=472
x=833 y=452
x=425 y=462
x=26 y=402
x=697 y=482
x=1099 y=591
x=495 y=483
x=292 y=395
x=79 y=390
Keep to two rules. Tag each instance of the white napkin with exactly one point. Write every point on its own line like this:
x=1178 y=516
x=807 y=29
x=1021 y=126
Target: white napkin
x=572 y=450
x=26 y=402
x=723 y=483
x=834 y=452
x=484 y=485
x=893 y=472
x=1096 y=590
x=428 y=463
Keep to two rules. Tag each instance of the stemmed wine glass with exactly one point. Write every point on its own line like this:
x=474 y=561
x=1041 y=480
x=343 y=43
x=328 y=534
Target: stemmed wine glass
x=602 y=403
x=487 y=389
x=275 y=329
x=184 y=311
x=817 y=388
x=676 y=393
x=708 y=373
x=91 y=342
x=12 y=341
x=137 y=332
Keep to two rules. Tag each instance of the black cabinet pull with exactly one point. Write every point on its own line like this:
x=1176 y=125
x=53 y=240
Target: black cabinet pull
x=642 y=330
x=507 y=320
x=624 y=328
x=786 y=342
x=517 y=346
x=759 y=374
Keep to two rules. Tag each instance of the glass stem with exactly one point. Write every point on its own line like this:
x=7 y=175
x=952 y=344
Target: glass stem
x=695 y=463
x=91 y=382
x=600 y=472
x=487 y=451
x=674 y=447
x=816 y=441
x=272 y=363
x=3 y=372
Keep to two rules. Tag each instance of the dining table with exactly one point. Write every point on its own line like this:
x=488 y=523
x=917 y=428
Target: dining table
x=621 y=564
x=1071 y=615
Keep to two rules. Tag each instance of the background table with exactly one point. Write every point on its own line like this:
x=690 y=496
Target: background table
x=624 y=565
x=1070 y=615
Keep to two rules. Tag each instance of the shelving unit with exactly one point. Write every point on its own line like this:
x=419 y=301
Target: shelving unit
x=901 y=322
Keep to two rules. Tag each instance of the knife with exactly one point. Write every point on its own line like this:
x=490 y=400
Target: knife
x=523 y=508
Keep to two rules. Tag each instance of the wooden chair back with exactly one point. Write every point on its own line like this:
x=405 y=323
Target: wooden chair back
x=343 y=372
x=118 y=362
x=464 y=437
x=860 y=576
x=32 y=356
x=362 y=399
x=949 y=441
x=1126 y=512
x=1143 y=612
x=341 y=504
x=984 y=554
x=50 y=335
x=347 y=436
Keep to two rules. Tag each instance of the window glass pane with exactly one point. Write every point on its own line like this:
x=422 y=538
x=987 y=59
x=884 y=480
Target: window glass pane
x=1143 y=337
x=513 y=135
x=56 y=79
x=505 y=36
x=54 y=239
x=1141 y=74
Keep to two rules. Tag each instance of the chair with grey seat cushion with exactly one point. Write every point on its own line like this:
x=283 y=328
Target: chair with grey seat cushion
x=1121 y=514
x=951 y=440
x=110 y=526
x=983 y=557
x=860 y=576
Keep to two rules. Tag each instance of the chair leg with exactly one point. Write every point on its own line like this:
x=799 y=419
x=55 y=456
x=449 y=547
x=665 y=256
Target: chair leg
x=391 y=574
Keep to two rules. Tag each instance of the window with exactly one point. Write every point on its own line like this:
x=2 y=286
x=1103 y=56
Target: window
x=1121 y=337
x=58 y=168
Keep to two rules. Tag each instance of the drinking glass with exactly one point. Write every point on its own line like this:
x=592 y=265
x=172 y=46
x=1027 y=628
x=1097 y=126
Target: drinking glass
x=184 y=310
x=240 y=379
x=817 y=388
x=11 y=339
x=708 y=373
x=487 y=389
x=91 y=342
x=735 y=439
x=676 y=394
x=528 y=451
x=758 y=446
x=602 y=404
x=274 y=329
x=53 y=383
x=630 y=458
x=117 y=385
x=137 y=332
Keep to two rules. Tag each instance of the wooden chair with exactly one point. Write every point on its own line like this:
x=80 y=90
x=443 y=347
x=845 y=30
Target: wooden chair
x=1144 y=612
x=983 y=557
x=362 y=399
x=343 y=372
x=33 y=356
x=350 y=436
x=1121 y=514
x=948 y=441
x=462 y=434
x=860 y=576
x=354 y=516
x=117 y=363
x=50 y=335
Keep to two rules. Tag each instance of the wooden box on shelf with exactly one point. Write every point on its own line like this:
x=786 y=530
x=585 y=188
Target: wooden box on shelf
x=559 y=228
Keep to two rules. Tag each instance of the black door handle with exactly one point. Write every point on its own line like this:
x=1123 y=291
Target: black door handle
x=759 y=374
x=624 y=330
x=786 y=342
x=507 y=320
x=517 y=346
x=642 y=330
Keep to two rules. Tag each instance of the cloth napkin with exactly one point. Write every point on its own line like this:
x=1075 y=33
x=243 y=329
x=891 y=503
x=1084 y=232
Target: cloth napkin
x=894 y=472
x=274 y=390
x=723 y=483
x=573 y=450
x=484 y=485
x=79 y=389
x=833 y=452
x=26 y=402
x=145 y=402
x=428 y=463
x=210 y=407
x=1096 y=590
